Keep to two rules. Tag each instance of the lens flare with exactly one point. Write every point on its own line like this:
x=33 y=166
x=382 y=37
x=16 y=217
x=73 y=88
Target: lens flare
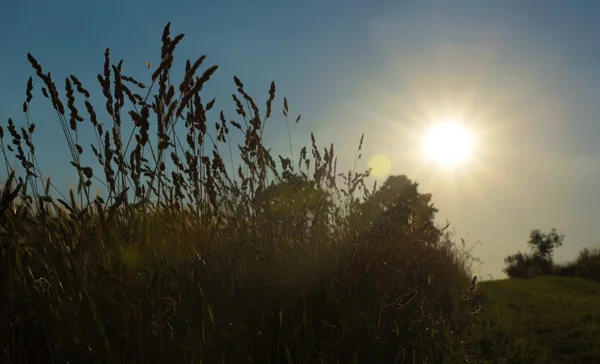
x=380 y=165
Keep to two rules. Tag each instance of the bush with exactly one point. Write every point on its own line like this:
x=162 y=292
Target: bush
x=184 y=259
x=587 y=265
x=540 y=261
x=522 y=265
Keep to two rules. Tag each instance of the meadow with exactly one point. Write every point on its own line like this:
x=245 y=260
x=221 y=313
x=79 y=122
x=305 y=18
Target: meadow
x=545 y=319
x=187 y=257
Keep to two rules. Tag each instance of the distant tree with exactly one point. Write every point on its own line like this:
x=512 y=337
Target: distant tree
x=543 y=245
x=540 y=261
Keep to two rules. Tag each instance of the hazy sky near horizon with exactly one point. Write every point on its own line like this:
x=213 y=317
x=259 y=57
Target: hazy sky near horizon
x=523 y=75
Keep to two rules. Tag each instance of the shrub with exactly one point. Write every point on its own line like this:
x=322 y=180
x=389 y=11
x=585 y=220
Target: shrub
x=540 y=261
x=587 y=265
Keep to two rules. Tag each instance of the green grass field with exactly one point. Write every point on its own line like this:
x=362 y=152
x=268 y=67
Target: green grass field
x=545 y=320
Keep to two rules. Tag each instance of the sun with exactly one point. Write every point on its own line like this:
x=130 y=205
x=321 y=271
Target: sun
x=449 y=143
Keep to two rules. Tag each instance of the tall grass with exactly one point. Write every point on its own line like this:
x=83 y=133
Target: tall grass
x=285 y=260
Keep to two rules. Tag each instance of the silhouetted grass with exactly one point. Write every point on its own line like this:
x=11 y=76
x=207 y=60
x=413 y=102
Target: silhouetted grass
x=185 y=258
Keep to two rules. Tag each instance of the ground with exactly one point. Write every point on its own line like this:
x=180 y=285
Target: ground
x=549 y=319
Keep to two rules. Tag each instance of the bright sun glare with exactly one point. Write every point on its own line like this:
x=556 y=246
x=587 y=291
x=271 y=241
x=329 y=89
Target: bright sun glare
x=449 y=143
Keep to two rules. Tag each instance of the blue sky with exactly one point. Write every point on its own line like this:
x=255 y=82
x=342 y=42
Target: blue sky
x=524 y=75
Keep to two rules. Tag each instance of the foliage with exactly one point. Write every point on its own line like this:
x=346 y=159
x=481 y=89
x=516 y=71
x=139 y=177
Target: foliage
x=184 y=259
x=586 y=265
x=543 y=245
x=540 y=261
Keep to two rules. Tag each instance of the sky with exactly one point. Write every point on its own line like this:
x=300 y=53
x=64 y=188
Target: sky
x=522 y=75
